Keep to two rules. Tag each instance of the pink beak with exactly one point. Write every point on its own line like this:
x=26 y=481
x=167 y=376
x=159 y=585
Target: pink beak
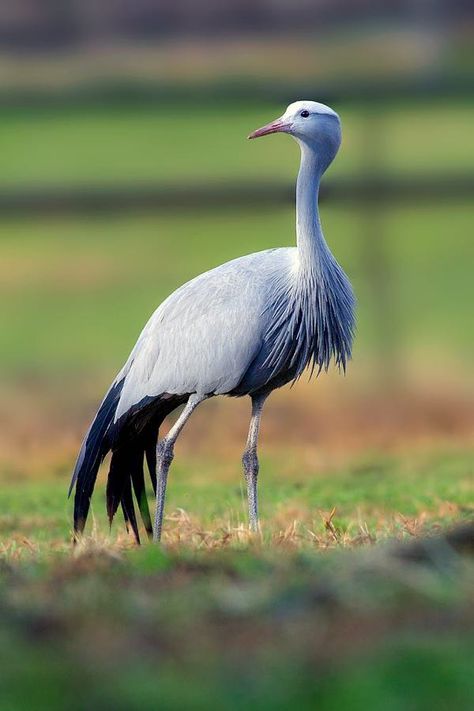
x=277 y=126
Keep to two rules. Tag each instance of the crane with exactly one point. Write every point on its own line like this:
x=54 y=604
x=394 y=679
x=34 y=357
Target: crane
x=244 y=328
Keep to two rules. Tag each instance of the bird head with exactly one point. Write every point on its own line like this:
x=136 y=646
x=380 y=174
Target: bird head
x=311 y=124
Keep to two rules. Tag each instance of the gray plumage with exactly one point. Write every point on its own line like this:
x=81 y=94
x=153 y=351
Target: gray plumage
x=243 y=328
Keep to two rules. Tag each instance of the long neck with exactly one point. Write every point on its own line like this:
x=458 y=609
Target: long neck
x=312 y=248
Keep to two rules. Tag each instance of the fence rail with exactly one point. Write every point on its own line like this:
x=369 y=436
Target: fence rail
x=151 y=197
x=418 y=89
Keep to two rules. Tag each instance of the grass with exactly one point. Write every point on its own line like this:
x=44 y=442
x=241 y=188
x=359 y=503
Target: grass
x=98 y=279
x=176 y=143
x=373 y=498
x=137 y=631
x=310 y=613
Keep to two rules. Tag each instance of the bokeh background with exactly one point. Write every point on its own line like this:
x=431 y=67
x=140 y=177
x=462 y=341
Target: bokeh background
x=124 y=171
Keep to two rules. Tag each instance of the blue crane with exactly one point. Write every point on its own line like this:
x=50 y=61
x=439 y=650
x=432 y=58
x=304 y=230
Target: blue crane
x=244 y=328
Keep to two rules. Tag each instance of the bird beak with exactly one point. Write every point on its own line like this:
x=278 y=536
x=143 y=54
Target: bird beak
x=278 y=126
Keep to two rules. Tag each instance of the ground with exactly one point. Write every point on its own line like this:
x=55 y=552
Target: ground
x=318 y=610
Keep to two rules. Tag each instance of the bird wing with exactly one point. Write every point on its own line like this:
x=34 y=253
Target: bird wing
x=203 y=337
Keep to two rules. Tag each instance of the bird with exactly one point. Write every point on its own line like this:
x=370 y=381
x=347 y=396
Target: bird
x=244 y=328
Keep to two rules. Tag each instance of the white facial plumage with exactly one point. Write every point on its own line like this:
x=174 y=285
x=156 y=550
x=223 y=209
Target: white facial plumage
x=313 y=107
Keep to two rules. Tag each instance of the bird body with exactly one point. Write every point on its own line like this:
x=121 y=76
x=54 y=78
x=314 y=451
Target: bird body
x=231 y=302
x=243 y=328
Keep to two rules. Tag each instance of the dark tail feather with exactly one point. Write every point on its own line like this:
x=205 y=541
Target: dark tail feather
x=125 y=467
x=133 y=436
x=94 y=448
x=129 y=510
x=118 y=476
x=138 y=481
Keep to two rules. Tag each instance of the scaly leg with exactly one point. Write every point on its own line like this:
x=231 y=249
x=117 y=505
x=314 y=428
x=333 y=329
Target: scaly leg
x=164 y=457
x=250 y=460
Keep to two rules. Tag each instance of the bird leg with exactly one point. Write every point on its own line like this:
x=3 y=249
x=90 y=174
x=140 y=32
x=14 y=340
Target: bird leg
x=250 y=460
x=164 y=457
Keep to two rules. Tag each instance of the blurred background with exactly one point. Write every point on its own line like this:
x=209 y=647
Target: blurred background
x=125 y=170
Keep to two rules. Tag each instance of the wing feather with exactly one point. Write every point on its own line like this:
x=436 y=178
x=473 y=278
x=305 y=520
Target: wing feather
x=205 y=335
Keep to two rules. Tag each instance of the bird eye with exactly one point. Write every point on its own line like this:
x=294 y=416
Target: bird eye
x=304 y=113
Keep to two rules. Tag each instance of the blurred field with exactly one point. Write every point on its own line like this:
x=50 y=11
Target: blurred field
x=184 y=141
x=265 y=629
x=99 y=279
x=285 y=618
x=77 y=291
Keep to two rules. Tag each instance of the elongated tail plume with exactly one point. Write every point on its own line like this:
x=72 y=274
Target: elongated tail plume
x=130 y=440
x=95 y=446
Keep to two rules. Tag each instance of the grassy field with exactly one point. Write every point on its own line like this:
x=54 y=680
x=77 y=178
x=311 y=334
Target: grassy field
x=233 y=630
x=319 y=611
x=176 y=143
x=97 y=280
x=310 y=613
x=84 y=273
x=375 y=497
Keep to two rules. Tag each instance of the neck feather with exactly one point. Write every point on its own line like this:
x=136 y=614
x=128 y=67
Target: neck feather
x=312 y=248
x=312 y=321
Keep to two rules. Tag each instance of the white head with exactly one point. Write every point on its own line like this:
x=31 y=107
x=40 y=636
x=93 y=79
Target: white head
x=310 y=123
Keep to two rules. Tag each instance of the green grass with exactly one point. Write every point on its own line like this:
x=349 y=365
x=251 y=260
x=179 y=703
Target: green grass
x=374 y=492
x=432 y=673
x=176 y=143
x=232 y=622
x=76 y=292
